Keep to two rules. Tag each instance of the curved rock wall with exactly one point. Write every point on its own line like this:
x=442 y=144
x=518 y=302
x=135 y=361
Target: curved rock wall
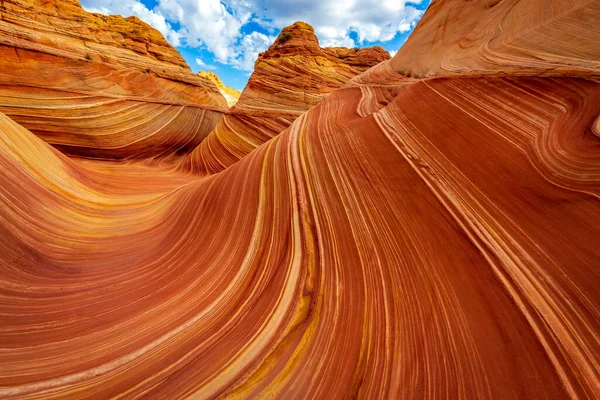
x=405 y=238
x=292 y=76
x=100 y=86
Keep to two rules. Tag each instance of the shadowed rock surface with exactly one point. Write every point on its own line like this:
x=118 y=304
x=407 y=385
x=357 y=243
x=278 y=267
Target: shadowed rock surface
x=100 y=86
x=429 y=230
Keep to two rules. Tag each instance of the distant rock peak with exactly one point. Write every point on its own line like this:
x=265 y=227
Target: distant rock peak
x=230 y=94
x=308 y=72
x=299 y=34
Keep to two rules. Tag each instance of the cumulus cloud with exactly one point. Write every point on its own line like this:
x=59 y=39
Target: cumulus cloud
x=333 y=20
x=218 y=26
x=204 y=65
x=206 y=23
x=248 y=50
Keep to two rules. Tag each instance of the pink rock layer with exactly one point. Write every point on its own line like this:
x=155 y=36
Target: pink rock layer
x=292 y=76
x=407 y=237
x=100 y=86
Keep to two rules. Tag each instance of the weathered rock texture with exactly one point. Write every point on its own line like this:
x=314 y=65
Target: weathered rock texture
x=231 y=95
x=100 y=86
x=500 y=37
x=405 y=238
x=292 y=76
x=295 y=73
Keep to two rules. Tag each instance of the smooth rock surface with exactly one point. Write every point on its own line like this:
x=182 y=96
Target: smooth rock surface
x=100 y=86
x=408 y=237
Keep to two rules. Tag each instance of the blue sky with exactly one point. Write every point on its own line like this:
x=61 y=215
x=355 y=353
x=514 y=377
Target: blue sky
x=226 y=36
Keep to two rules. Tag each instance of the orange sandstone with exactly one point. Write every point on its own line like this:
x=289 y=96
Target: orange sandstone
x=100 y=86
x=429 y=230
x=292 y=76
x=230 y=94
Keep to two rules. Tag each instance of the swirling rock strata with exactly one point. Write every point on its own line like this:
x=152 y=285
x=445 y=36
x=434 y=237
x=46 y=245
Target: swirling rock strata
x=100 y=86
x=405 y=238
x=295 y=73
x=292 y=76
x=504 y=37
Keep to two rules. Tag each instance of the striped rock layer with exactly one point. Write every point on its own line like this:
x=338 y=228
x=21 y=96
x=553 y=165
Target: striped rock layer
x=292 y=76
x=100 y=86
x=426 y=231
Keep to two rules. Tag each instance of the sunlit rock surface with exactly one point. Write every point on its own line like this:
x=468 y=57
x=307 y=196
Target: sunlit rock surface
x=495 y=37
x=292 y=76
x=231 y=95
x=420 y=233
x=100 y=86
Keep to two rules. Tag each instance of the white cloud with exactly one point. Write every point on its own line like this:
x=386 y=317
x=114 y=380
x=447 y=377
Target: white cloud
x=101 y=10
x=249 y=48
x=333 y=20
x=207 y=22
x=392 y=53
x=217 y=26
x=205 y=65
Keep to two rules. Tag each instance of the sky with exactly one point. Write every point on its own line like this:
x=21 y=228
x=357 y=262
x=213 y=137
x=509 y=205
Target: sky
x=226 y=36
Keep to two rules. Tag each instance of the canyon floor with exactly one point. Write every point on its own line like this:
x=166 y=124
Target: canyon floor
x=425 y=226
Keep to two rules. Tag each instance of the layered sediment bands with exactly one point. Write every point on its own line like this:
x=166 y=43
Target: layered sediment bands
x=292 y=76
x=295 y=73
x=432 y=245
x=63 y=28
x=108 y=127
x=551 y=38
x=87 y=84
x=404 y=238
x=236 y=135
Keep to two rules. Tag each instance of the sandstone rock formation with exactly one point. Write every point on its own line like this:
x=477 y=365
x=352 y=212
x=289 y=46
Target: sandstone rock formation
x=426 y=231
x=292 y=76
x=231 y=95
x=100 y=86
x=500 y=37
x=295 y=73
